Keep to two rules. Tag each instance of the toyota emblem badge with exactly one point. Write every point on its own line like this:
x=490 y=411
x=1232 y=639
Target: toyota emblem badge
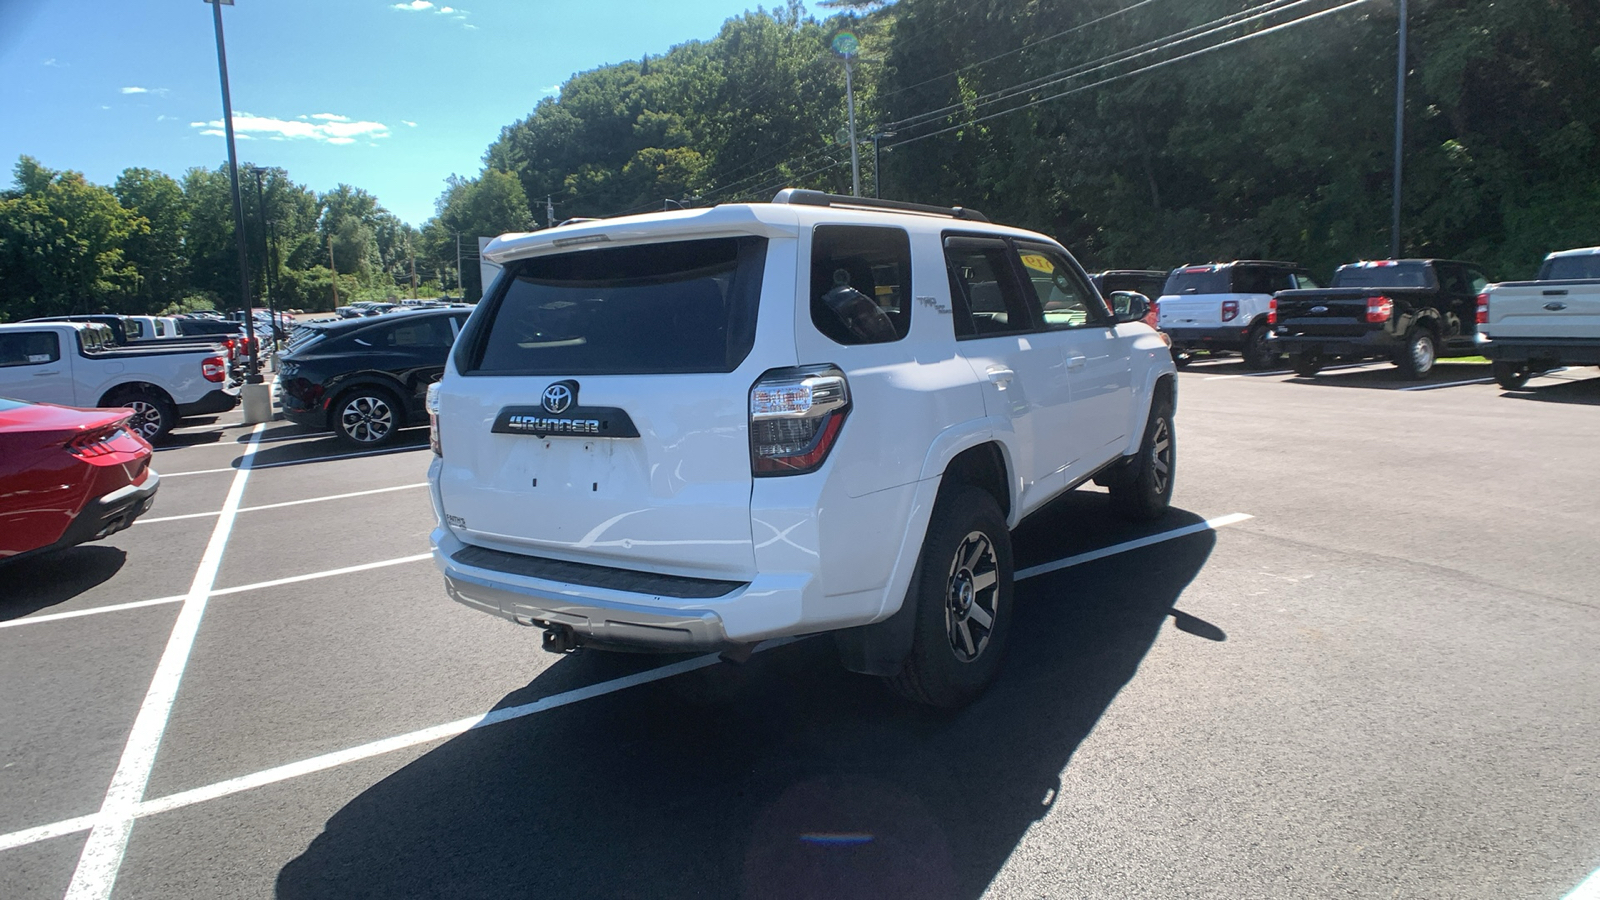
x=558 y=397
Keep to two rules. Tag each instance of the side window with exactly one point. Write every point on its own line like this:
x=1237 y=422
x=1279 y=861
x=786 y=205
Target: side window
x=430 y=332
x=861 y=283
x=1066 y=299
x=1305 y=282
x=983 y=290
x=29 y=348
x=1450 y=278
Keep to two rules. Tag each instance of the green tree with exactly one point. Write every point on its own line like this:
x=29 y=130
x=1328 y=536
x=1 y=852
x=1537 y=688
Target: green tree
x=157 y=253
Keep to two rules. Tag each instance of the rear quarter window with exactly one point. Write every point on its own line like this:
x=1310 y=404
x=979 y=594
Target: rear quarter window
x=861 y=283
x=674 y=307
x=29 y=348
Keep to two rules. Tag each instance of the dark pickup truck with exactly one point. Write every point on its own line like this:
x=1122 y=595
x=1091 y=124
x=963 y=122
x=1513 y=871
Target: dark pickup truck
x=1410 y=311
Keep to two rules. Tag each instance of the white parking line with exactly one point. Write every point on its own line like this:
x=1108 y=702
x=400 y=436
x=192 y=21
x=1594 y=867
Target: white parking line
x=1589 y=890
x=1291 y=371
x=494 y=717
x=1435 y=387
x=108 y=840
x=199 y=472
x=220 y=592
x=246 y=509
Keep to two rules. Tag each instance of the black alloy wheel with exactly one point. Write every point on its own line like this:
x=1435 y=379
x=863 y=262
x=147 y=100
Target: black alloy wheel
x=1144 y=492
x=367 y=417
x=1307 y=364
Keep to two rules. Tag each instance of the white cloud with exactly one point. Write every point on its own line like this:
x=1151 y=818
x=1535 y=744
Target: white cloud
x=135 y=90
x=332 y=129
x=470 y=27
x=54 y=64
x=408 y=122
x=414 y=5
x=552 y=89
x=215 y=132
x=447 y=9
x=162 y=118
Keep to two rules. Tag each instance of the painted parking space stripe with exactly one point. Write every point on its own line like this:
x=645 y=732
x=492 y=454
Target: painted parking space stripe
x=220 y=592
x=1588 y=890
x=1136 y=544
x=1366 y=365
x=1448 y=384
x=380 y=747
x=108 y=839
x=398 y=487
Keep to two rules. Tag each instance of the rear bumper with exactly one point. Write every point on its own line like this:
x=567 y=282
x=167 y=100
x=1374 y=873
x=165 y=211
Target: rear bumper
x=218 y=401
x=105 y=515
x=1555 y=351
x=620 y=612
x=1228 y=337
x=1371 y=344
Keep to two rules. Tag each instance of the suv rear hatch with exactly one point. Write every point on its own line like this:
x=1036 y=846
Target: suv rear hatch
x=598 y=411
x=1193 y=297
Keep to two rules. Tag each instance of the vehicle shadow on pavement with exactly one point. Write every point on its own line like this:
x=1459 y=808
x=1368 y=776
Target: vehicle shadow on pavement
x=40 y=582
x=291 y=452
x=1582 y=391
x=1388 y=378
x=786 y=777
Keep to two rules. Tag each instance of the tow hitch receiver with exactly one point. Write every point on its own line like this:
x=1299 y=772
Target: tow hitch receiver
x=559 y=639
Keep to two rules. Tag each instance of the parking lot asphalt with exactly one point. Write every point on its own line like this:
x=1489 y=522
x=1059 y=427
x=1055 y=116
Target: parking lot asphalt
x=1374 y=674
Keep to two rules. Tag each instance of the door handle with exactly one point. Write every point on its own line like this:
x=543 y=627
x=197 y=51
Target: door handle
x=1557 y=306
x=1555 y=293
x=1077 y=362
x=43 y=374
x=1001 y=376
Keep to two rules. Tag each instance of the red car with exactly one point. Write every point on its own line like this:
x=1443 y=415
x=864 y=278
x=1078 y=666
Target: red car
x=68 y=476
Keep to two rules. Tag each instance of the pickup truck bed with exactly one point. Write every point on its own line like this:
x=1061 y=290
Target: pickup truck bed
x=1534 y=326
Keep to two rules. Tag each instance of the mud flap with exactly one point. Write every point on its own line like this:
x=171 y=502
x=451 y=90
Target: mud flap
x=882 y=647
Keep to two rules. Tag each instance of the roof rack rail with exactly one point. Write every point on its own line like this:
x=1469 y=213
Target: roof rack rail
x=804 y=197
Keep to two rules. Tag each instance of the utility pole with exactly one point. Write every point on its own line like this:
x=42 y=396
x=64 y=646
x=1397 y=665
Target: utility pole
x=413 y=260
x=266 y=251
x=458 y=267
x=1399 y=133
x=253 y=367
x=334 y=271
x=549 y=212
x=877 y=168
x=845 y=44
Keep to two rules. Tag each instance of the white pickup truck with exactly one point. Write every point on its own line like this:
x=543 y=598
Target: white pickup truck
x=79 y=364
x=1526 y=327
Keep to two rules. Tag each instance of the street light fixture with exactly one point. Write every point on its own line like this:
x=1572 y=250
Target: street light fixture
x=846 y=45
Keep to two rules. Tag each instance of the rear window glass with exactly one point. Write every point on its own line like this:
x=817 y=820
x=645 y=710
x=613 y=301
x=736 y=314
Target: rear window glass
x=427 y=331
x=684 y=306
x=861 y=283
x=1571 y=268
x=29 y=348
x=1111 y=282
x=1198 y=280
x=1399 y=275
x=1261 y=280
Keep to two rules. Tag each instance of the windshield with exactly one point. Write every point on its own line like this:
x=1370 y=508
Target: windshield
x=684 y=306
x=1383 y=275
x=1571 y=268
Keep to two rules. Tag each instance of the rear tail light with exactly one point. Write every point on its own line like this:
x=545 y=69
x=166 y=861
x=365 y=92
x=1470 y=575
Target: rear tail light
x=1230 y=310
x=214 y=368
x=1483 y=309
x=1379 y=310
x=433 y=420
x=795 y=419
x=96 y=443
x=1272 y=311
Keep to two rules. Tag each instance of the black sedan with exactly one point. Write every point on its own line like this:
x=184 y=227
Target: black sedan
x=365 y=379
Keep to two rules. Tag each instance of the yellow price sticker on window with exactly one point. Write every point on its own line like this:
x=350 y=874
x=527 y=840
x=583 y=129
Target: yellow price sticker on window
x=1038 y=263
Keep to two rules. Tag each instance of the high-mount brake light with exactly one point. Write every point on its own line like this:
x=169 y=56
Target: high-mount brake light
x=1230 y=310
x=1483 y=309
x=1379 y=310
x=433 y=420
x=214 y=368
x=795 y=419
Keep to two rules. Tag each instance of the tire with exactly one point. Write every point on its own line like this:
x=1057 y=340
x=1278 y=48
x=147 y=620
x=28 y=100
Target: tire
x=1145 y=492
x=367 y=417
x=964 y=576
x=1306 y=365
x=1258 y=352
x=153 y=415
x=1419 y=354
x=1511 y=376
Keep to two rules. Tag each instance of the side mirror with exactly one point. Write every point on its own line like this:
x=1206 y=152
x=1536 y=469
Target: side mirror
x=1129 y=306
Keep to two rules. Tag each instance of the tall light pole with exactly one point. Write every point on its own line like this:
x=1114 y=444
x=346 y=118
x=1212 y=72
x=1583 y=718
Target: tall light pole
x=846 y=45
x=253 y=367
x=266 y=252
x=1399 y=133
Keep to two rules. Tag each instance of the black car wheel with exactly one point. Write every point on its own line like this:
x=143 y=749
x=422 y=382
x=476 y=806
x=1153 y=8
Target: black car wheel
x=1512 y=376
x=367 y=417
x=1145 y=491
x=1306 y=364
x=1258 y=350
x=962 y=593
x=1416 y=358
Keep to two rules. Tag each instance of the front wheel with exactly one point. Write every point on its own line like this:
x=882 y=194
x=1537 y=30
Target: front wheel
x=1146 y=490
x=153 y=415
x=1511 y=376
x=1306 y=364
x=962 y=593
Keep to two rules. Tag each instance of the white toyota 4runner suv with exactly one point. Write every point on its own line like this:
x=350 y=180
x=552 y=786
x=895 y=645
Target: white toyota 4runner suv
x=700 y=430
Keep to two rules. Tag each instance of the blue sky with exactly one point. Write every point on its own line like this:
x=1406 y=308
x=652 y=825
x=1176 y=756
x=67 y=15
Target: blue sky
x=387 y=96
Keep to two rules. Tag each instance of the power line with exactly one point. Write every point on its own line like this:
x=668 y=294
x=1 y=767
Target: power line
x=1139 y=71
